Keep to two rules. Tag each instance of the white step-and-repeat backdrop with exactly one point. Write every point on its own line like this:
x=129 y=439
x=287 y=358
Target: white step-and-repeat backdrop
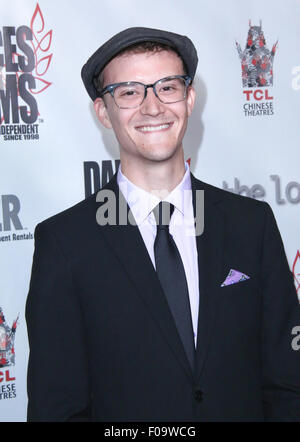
x=244 y=134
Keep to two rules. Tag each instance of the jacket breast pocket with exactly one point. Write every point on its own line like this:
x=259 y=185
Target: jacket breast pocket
x=239 y=291
x=238 y=304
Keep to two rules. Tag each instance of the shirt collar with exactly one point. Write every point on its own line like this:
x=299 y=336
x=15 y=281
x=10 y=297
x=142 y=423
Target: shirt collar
x=142 y=203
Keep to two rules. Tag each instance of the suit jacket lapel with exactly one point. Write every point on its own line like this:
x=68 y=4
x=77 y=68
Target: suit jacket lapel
x=127 y=243
x=209 y=248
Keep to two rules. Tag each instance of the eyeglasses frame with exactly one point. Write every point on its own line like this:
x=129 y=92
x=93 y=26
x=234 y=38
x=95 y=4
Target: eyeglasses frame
x=110 y=88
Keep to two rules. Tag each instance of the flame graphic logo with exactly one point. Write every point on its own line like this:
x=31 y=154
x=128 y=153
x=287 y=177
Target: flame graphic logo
x=41 y=45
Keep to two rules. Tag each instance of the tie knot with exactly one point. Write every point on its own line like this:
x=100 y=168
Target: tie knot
x=163 y=212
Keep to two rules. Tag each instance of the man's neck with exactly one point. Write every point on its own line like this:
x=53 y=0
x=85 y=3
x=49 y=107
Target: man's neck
x=158 y=178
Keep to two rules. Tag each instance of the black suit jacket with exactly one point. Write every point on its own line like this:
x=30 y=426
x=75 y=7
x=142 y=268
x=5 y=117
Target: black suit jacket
x=103 y=342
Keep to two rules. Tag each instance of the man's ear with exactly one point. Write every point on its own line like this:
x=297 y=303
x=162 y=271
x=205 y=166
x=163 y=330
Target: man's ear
x=101 y=112
x=191 y=96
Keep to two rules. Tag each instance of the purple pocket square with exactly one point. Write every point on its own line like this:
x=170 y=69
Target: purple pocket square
x=233 y=277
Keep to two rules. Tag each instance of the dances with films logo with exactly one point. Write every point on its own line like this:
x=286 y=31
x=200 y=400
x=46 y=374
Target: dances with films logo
x=257 y=73
x=7 y=358
x=24 y=62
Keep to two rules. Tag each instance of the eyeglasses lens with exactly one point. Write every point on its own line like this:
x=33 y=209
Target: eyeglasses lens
x=132 y=94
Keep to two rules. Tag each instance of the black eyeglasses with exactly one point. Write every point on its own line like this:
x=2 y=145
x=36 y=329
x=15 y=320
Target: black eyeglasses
x=131 y=94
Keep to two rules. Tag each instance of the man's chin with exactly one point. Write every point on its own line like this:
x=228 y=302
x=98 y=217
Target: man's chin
x=159 y=155
x=159 y=158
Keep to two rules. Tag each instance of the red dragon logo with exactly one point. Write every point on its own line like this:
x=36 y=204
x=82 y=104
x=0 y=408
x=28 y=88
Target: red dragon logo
x=256 y=59
x=7 y=338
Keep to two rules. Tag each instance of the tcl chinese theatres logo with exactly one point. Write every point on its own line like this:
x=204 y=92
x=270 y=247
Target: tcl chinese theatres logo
x=7 y=339
x=256 y=59
x=23 y=68
x=257 y=73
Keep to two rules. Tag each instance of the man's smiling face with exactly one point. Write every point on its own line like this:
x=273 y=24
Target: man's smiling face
x=154 y=131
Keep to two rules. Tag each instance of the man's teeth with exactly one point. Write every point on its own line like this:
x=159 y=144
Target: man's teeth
x=153 y=128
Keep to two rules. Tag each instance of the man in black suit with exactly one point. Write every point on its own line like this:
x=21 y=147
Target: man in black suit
x=156 y=319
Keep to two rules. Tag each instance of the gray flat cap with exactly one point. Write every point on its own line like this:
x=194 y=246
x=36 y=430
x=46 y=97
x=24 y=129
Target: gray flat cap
x=180 y=43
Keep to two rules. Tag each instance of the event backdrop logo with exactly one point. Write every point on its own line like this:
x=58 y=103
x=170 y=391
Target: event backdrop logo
x=10 y=221
x=257 y=72
x=283 y=192
x=7 y=338
x=24 y=62
x=7 y=359
x=296 y=272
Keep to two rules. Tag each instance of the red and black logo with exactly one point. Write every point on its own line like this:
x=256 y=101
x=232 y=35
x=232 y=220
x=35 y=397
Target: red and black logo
x=7 y=339
x=24 y=62
x=7 y=358
x=257 y=72
x=296 y=272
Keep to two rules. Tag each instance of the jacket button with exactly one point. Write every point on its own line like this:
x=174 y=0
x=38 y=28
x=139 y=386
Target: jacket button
x=198 y=395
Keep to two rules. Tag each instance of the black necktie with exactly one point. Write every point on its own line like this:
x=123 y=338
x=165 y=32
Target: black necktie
x=170 y=271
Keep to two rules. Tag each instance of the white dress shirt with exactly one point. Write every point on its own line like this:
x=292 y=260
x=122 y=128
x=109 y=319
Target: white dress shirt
x=141 y=204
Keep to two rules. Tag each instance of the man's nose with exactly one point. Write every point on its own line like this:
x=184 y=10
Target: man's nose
x=151 y=104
